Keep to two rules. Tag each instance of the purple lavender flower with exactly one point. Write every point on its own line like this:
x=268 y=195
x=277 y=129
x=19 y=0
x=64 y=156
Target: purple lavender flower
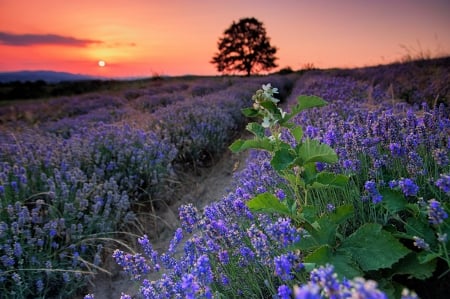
x=203 y=270
x=350 y=165
x=284 y=292
x=307 y=291
x=311 y=131
x=374 y=194
x=18 y=250
x=415 y=166
x=190 y=286
x=320 y=166
x=188 y=217
x=396 y=150
x=146 y=245
x=224 y=257
x=331 y=207
x=280 y=194
x=246 y=256
x=368 y=289
x=407 y=294
x=259 y=242
x=135 y=265
x=40 y=286
x=178 y=236
x=15 y=186
x=393 y=184
x=420 y=243
x=283 y=232
x=436 y=214
x=443 y=183
x=326 y=278
x=441 y=156
x=408 y=187
x=286 y=265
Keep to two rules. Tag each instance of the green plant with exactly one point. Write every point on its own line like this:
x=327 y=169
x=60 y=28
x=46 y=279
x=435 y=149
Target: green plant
x=371 y=249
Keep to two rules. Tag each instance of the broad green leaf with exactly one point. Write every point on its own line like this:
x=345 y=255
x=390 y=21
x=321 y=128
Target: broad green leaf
x=306 y=243
x=307 y=102
x=419 y=228
x=250 y=112
x=309 y=172
x=391 y=288
x=242 y=145
x=293 y=179
x=344 y=265
x=325 y=232
x=342 y=214
x=271 y=107
x=309 y=213
x=238 y=145
x=320 y=256
x=373 y=248
x=256 y=129
x=282 y=159
x=312 y=150
x=267 y=203
x=329 y=179
x=304 y=102
x=411 y=266
x=342 y=262
x=309 y=266
x=393 y=200
x=425 y=257
x=285 y=123
x=297 y=132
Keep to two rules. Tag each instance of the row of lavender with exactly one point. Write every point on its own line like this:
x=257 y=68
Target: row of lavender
x=69 y=181
x=231 y=252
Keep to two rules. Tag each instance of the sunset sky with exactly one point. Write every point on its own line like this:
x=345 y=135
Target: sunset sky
x=178 y=37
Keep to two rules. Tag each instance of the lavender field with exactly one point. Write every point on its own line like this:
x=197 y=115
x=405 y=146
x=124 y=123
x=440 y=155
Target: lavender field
x=362 y=214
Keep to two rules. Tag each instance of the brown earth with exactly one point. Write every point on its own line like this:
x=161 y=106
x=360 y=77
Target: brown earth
x=199 y=187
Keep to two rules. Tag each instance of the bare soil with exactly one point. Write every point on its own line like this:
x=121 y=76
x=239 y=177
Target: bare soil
x=199 y=187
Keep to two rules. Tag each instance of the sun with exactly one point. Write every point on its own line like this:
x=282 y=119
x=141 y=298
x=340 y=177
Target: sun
x=101 y=63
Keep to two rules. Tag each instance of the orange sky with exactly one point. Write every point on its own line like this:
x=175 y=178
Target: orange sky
x=178 y=37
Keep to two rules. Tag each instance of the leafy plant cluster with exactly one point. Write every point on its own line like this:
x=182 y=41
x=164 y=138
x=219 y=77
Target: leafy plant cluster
x=339 y=198
x=383 y=245
x=65 y=196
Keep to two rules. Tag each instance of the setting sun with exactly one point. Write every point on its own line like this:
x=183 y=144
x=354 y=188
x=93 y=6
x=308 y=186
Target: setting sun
x=101 y=63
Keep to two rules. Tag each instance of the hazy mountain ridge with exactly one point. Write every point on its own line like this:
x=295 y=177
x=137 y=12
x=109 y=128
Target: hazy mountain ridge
x=47 y=76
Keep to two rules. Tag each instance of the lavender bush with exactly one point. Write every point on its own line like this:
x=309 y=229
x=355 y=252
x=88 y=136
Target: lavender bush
x=389 y=223
x=69 y=183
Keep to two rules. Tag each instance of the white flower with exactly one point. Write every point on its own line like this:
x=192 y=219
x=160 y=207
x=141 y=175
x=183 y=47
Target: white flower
x=268 y=89
x=283 y=114
x=266 y=122
x=274 y=100
x=268 y=92
x=273 y=138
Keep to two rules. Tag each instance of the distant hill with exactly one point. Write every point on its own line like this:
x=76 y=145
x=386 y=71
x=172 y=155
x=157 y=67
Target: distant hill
x=47 y=76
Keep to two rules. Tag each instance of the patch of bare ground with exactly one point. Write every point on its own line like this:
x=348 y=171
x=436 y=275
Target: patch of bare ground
x=199 y=187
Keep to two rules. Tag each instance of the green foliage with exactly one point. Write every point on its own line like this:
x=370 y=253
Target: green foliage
x=374 y=248
x=378 y=241
x=268 y=203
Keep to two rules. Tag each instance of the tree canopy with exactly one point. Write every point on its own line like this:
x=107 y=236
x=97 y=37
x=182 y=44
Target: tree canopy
x=245 y=47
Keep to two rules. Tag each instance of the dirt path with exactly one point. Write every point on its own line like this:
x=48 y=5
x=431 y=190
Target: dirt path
x=210 y=185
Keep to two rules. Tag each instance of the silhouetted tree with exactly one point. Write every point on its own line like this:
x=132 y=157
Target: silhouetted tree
x=245 y=47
